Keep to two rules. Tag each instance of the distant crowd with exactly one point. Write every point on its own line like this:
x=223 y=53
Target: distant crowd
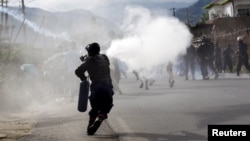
x=208 y=55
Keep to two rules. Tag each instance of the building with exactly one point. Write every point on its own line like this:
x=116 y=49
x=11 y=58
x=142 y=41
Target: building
x=228 y=8
x=227 y=20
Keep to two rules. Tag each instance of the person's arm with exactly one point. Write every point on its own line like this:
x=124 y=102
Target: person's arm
x=81 y=70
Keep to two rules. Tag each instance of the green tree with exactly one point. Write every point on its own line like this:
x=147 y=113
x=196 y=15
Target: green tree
x=204 y=17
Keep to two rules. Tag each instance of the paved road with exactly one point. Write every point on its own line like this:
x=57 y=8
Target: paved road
x=181 y=113
x=65 y=123
x=161 y=113
x=55 y=121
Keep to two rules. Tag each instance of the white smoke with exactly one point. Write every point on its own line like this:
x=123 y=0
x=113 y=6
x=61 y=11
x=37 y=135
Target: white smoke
x=150 y=39
x=21 y=18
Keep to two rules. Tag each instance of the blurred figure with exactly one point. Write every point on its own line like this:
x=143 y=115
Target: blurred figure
x=190 y=62
x=136 y=75
x=205 y=54
x=144 y=77
x=101 y=97
x=242 y=55
x=115 y=65
x=148 y=78
x=217 y=57
x=180 y=65
x=146 y=82
x=227 y=58
x=29 y=70
x=115 y=74
x=170 y=74
x=123 y=67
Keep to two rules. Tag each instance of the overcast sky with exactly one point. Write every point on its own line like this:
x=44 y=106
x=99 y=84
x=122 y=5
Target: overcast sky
x=62 y=5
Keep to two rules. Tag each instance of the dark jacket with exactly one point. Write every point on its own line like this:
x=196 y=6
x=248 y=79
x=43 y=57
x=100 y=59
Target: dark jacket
x=191 y=52
x=217 y=52
x=203 y=52
x=98 y=69
x=242 y=48
x=227 y=52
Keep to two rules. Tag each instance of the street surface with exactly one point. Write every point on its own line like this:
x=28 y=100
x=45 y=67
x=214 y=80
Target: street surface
x=161 y=113
x=183 y=112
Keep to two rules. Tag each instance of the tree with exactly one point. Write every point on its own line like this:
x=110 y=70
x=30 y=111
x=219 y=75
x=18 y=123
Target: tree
x=204 y=17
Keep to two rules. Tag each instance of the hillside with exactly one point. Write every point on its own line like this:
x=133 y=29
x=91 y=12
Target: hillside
x=195 y=12
x=47 y=28
x=115 y=12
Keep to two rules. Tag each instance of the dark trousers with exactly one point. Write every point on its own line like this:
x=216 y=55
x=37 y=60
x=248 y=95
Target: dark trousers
x=228 y=63
x=211 y=65
x=242 y=59
x=203 y=67
x=218 y=64
x=189 y=63
x=101 y=99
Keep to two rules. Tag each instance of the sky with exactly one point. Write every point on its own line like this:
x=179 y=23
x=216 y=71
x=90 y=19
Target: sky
x=62 y=5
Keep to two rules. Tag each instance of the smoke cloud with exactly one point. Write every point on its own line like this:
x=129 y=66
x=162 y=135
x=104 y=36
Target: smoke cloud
x=16 y=15
x=150 y=39
x=62 y=5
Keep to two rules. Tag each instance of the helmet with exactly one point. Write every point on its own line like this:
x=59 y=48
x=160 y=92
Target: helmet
x=93 y=49
x=239 y=38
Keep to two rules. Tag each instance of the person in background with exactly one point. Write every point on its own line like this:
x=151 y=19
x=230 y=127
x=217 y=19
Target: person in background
x=170 y=74
x=190 y=62
x=205 y=55
x=101 y=88
x=227 y=58
x=217 y=57
x=242 y=55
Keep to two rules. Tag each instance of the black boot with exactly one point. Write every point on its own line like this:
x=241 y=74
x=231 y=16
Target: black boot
x=92 y=129
x=91 y=122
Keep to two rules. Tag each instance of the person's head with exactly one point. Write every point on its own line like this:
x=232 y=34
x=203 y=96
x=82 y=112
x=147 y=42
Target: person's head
x=240 y=39
x=229 y=45
x=93 y=49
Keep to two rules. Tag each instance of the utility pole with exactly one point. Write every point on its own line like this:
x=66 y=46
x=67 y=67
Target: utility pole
x=233 y=8
x=6 y=14
x=2 y=4
x=4 y=21
x=23 y=7
x=24 y=27
x=173 y=12
x=187 y=12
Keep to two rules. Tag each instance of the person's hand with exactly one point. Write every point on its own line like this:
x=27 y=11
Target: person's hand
x=83 y=58
x=83 y=78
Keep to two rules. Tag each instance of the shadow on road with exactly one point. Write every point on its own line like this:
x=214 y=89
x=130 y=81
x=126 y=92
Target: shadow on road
x=182 y=136
x=106 y=137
